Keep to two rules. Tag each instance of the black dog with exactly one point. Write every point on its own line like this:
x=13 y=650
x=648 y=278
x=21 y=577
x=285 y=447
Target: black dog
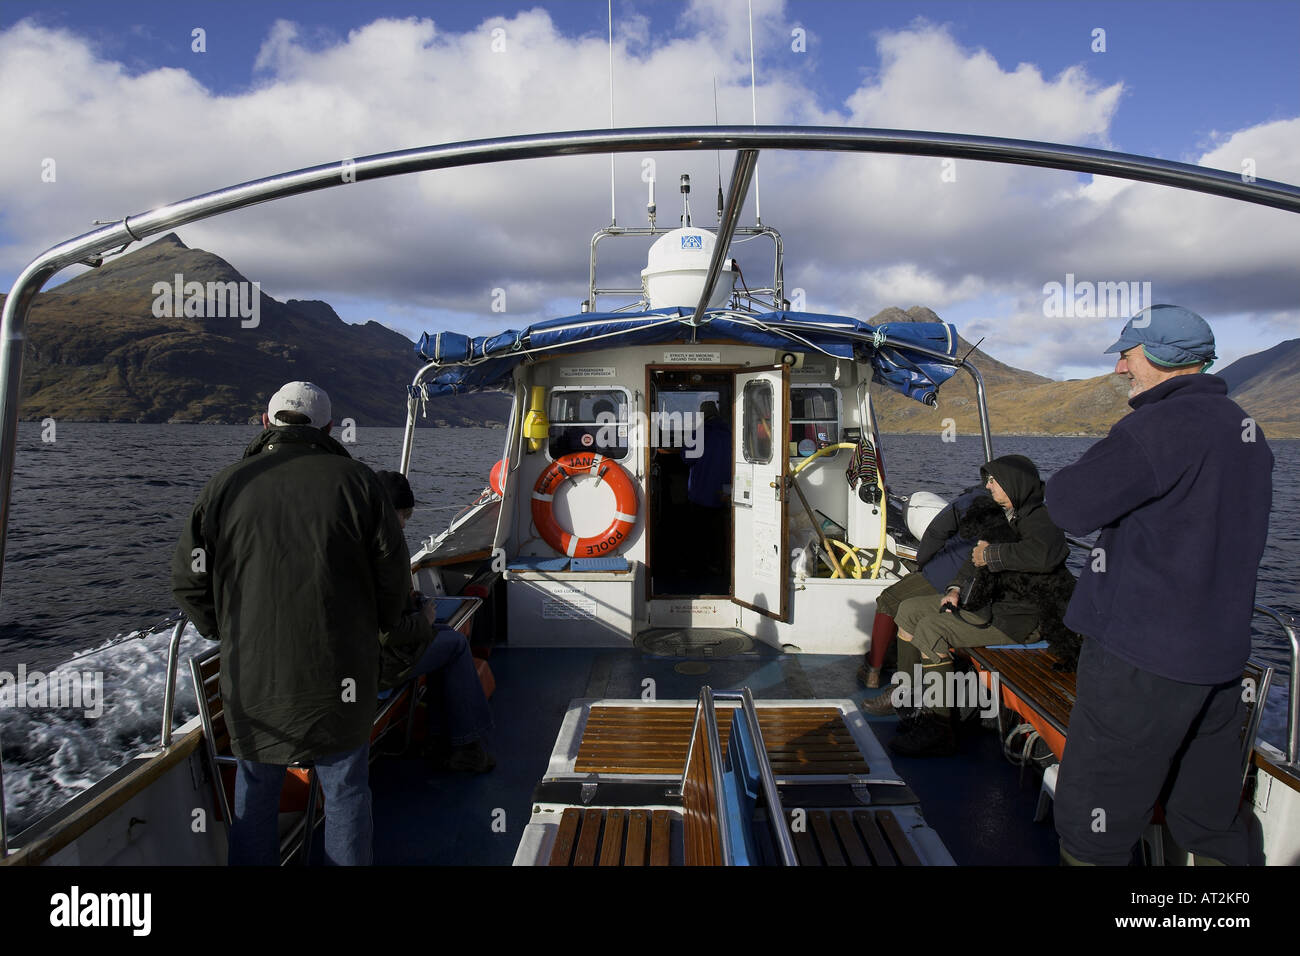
x=1050 y=593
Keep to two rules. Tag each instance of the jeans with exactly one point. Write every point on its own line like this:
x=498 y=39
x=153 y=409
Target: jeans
x=349 y=827
x=452 y=677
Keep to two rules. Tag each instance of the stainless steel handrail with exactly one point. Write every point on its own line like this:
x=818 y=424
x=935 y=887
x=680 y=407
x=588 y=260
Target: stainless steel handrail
x=775 y=810
x=715 y=756
x=741 y=175
x=704 y=712
x=169 y=692
x=1292 y=628
x=92 y=247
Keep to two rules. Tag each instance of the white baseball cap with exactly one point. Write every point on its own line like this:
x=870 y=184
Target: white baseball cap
x=303 y=398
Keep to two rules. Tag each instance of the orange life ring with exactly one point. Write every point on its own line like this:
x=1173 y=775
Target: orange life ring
x=625 y=504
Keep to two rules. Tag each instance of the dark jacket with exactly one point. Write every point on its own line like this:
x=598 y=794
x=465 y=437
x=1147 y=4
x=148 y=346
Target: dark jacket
x=403 y=646
x=943 y=550
x=302 y=565
x=1181 y=489
x=1039 y=548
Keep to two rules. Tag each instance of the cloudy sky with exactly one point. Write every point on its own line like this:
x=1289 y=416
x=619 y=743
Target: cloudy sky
x=136 y=108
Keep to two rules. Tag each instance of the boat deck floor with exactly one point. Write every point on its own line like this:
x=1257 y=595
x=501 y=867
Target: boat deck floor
x=974 y=800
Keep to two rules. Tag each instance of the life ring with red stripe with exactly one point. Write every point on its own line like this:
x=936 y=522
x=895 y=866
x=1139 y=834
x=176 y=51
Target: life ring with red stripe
x=625 y=504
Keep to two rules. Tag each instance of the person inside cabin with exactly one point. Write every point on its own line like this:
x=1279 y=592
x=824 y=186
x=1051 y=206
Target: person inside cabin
x=294 y=559
x=1181 y=489
x=928 y=629
x=708 y=490
x=605 y=434
x=458 y=713
x=943 y=550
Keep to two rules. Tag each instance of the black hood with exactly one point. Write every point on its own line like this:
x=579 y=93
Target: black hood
x=1018 y=477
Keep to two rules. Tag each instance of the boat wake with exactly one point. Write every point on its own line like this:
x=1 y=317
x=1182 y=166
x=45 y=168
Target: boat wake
x=62 y=731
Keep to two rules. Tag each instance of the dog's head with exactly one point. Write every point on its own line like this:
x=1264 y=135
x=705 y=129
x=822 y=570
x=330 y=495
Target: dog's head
x=984 y=520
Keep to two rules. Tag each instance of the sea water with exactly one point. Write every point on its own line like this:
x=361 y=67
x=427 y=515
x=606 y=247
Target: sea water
x=97 y=511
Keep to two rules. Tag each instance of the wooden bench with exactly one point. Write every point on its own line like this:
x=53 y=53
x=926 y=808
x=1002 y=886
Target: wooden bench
x=1031 y=687
x=612 y=837
x=1044 y=697
x=798 y=740
x=670 y=783
x=851 y=838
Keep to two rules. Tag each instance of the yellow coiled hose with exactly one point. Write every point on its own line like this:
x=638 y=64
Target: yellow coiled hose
x=849 y=551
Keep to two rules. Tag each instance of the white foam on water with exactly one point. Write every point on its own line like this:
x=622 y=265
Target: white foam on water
x=54 y=753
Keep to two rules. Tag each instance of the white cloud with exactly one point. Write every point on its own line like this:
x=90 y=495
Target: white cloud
x=862 y=232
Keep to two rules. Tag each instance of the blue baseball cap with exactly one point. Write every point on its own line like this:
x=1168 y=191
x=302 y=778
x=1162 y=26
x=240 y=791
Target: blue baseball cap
x=1170 y=335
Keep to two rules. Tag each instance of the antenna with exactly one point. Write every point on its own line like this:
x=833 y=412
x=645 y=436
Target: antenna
x=613 y=218
x=717 y=153
x=686 y=199
x=753 y=100
x=973 y=348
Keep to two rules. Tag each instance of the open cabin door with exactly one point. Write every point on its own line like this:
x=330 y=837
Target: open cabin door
x=760 y=551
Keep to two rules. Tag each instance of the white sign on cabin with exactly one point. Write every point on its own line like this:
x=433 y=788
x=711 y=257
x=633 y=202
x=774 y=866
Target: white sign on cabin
x=588 y=371
x=692 y=358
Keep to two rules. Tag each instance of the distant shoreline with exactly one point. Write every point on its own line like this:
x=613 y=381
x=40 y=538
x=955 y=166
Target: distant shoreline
x=1288 y=433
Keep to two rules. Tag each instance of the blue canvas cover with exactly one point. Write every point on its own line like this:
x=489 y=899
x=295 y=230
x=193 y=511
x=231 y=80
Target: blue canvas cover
x=487 y=361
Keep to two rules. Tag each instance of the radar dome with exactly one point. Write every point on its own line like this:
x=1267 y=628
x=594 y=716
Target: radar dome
x=677 y=266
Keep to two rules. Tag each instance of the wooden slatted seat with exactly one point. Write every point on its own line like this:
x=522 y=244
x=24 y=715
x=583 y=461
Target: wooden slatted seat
x=718 y=796
x=850 y=838
x=654 y=740
x=1032 y=688
x=612 y=837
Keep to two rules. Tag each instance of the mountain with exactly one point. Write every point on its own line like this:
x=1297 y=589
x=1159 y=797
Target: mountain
x=1267 y=385
x=109 y=346
x=1020 y=402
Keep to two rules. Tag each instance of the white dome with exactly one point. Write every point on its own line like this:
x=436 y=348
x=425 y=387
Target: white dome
x=922 y=506
x=676 y=268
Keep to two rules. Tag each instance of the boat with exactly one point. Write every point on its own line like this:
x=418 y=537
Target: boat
x=672 y=686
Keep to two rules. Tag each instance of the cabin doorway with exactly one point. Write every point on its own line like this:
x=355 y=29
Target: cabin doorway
x=689 y=486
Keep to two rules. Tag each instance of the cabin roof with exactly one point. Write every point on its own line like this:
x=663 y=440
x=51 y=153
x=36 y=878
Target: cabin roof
x=904 y=356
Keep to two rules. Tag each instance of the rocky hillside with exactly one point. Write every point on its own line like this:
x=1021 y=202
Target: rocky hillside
x=96 y=351
x=1266 y=385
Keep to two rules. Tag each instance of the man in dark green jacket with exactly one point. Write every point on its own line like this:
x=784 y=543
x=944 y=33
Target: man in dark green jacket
x=293 y=558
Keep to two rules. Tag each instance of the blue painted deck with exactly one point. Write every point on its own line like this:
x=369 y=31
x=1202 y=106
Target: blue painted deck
x=974 y=800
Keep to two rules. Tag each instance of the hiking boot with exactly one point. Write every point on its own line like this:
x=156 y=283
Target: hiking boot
x=467 y=758
x=879 y=706
x=868 y=676
x=931 y=736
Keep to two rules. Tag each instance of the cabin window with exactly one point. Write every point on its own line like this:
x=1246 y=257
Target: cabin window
x=814 y=418
x=589 y=419
x=757 y=410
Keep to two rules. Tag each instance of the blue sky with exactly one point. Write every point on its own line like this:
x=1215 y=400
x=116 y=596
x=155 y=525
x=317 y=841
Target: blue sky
x=283 y=85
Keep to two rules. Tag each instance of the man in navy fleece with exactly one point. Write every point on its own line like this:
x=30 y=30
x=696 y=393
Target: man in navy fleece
x=1181 y=490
